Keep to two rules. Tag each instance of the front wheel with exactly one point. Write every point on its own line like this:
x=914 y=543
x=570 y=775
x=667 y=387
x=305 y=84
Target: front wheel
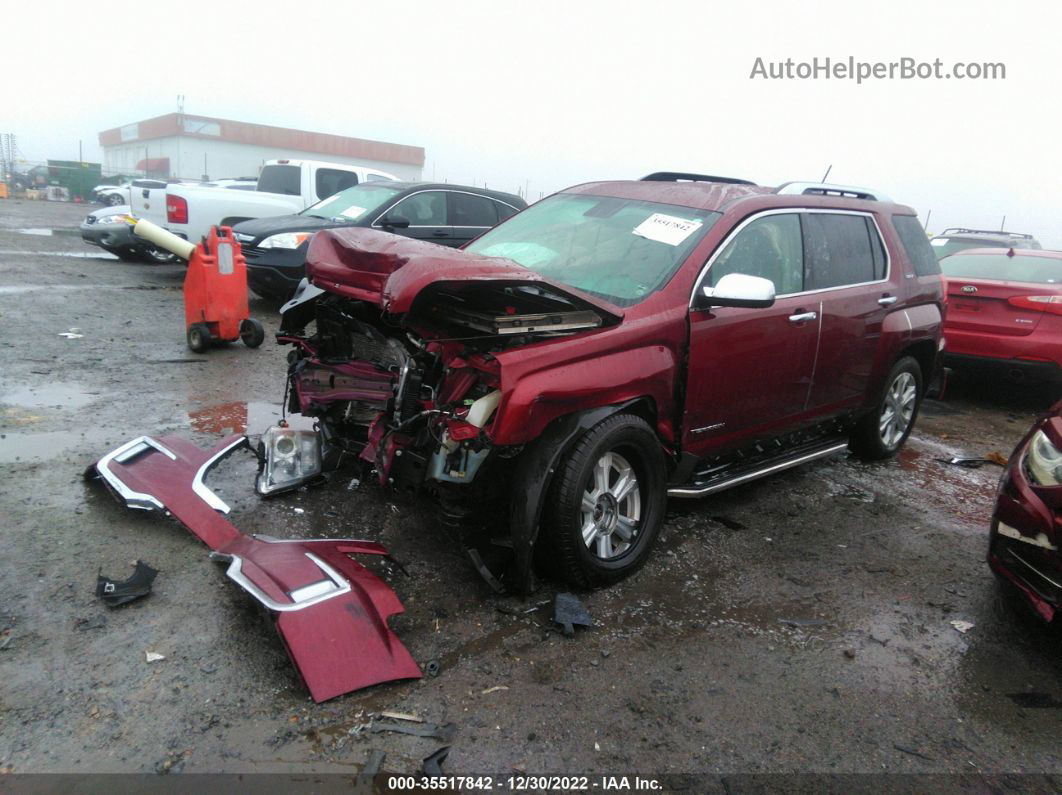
x=606 y=503
x=883 y=431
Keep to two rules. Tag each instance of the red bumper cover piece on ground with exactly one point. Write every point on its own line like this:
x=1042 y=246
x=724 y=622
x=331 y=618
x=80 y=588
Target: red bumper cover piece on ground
x=331 y=612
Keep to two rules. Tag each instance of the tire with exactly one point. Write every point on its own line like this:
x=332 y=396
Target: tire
x=251 y=332
x=586 y=542
x=157 y=256
x=126 y=255
x=114 y=200
x=876 y=437
x=199 y=337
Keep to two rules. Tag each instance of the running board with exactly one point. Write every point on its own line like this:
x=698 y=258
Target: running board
x=778 y=465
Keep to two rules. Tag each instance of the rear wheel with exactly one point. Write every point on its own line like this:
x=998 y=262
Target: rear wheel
x=199 y=337
x=883 y=431
x=606 y=503
x=251 y=332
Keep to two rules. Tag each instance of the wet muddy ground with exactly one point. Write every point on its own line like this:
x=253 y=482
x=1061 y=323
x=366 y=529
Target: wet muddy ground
x=800 y=623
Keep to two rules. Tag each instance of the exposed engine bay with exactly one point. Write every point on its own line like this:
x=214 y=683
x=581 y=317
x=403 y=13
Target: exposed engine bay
x=414 y=395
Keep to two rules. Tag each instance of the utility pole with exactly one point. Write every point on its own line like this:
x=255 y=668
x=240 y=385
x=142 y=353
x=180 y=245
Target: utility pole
x=928 y=216
x=829 y=168
x=80 y=159
x=1003 y=224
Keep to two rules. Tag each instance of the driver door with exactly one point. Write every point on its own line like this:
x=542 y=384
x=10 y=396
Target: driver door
x=750 y=370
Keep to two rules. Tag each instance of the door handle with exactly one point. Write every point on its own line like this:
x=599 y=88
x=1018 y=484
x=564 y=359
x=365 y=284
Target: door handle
x=887 y=300
x=802 y=317
x=440 y=233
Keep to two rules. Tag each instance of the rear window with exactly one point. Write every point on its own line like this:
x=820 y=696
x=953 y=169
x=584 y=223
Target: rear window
x=330 y=181
x=916 y=245
x=285 y=180
x=1033 y=270
x=946 y=246
x=841 y=250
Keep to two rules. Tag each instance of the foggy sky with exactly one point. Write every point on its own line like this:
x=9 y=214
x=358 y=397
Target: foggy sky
x=551 y=94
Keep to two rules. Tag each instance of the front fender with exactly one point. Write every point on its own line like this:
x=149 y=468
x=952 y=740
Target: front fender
x=531 y=401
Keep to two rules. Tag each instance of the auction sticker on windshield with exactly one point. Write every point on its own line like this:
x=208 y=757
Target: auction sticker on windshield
x=353 y=212
x=666 y=228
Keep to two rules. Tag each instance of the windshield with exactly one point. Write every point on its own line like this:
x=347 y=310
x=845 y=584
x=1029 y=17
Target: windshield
x=620 y=249
x=1030 y=269
x=352 y=204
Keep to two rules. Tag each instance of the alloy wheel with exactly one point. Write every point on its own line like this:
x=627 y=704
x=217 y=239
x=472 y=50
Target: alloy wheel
x=898 y=409
x=611 y=507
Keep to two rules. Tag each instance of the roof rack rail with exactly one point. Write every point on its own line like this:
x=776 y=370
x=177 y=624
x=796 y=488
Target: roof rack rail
x=958 y=230
x=682 y=176
x=824 y=189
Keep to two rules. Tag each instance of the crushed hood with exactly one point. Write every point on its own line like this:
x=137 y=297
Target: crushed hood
x=390 y=270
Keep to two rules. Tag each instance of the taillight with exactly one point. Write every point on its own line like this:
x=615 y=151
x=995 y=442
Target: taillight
x=1038 y=303
x=176 y=209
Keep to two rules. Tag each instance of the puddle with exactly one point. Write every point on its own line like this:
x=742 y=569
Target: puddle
x=36 y=231
x=244 y=417
x=64 y=396
x=21 y=447
x=77 y=254
x=29 y=288
x=969 y=493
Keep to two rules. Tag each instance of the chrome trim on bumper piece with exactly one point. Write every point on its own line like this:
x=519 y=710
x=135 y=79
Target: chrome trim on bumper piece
x=202 y=490
x=128 y=451
x=306 y=596
x=712 y=488
x=1033 y=569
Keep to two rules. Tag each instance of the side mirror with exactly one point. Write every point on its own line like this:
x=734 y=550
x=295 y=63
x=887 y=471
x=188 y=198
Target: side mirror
x=738 y=289
x=395 y=222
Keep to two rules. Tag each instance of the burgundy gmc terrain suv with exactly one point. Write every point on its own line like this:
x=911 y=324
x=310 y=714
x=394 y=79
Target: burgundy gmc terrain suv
x=617 y=343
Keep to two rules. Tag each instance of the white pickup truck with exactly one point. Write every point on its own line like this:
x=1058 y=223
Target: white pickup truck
x=284 y=187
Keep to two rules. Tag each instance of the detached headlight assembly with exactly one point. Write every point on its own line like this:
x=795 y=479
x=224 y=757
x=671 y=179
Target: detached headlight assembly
x=289 y=240
x=1044 y=461
x=289 y=459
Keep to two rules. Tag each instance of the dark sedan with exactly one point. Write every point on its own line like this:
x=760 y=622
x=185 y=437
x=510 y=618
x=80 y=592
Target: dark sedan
x=275 y=248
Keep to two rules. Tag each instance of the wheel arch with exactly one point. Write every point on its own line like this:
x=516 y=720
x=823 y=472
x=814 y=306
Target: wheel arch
x=925 y=353
x=537 y=466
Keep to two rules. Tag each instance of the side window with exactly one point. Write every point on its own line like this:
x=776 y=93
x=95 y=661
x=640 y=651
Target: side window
x=877 y=249
x=916 y=245
x=469 y=210
x=770 y=247
x=839 y=251
x=423 y=209
x=370 y=177
x=331 y=181
x=504 y=211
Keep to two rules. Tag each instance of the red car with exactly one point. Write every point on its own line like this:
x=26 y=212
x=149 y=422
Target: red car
x=1026 y=525
x=1005 y=311
x=614 y=344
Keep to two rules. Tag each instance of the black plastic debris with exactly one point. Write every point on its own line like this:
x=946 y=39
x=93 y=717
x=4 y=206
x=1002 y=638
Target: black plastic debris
x=445 y=732
x=970 y=463
x=569 y=612
x=374 y=762
x=432 y=765
x=115 y=593
x=432 y=667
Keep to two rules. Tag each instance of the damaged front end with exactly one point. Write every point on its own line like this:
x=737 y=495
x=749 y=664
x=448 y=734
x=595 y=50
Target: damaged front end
x=396 y=347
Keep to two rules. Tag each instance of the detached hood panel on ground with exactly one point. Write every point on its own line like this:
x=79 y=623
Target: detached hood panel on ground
x=390 y=270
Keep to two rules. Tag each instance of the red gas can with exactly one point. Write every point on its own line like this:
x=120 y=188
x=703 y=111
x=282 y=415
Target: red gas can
x=215 y=294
